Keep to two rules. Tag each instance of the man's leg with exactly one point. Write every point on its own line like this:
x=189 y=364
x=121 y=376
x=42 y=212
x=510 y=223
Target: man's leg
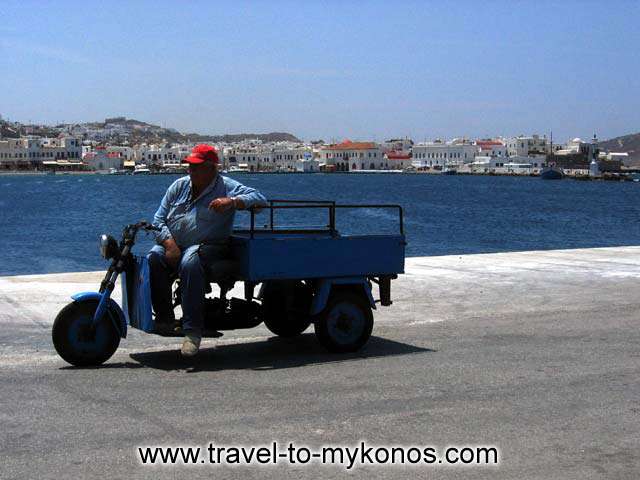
x=160 y=276
x=193 y=290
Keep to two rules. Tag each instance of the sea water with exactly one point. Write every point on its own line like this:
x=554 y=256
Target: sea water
x=51 y=223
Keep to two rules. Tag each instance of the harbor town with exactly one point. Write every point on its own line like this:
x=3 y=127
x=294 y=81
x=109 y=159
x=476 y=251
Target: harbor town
x=123 y=146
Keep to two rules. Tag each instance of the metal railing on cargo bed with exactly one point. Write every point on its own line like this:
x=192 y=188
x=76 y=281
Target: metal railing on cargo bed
x=329 y=205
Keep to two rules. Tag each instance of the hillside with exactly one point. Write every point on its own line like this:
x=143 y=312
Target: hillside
x=142 y=132
x=118 y=129
x=626 y=143
x=238 y=137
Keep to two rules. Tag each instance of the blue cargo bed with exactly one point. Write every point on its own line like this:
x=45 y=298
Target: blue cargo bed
x=273 y=255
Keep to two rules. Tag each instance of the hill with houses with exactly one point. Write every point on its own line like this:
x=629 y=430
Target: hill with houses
x=130 y=131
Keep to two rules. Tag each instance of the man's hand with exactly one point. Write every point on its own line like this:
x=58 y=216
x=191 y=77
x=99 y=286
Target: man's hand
x=172 y=252
x=222 y=204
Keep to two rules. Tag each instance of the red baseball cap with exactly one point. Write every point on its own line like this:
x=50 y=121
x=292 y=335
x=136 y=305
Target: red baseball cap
x=202 y=153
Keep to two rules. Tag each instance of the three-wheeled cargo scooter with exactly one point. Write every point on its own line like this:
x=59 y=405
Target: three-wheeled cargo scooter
x=306 y=275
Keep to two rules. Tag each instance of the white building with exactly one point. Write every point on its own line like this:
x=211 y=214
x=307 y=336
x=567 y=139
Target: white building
x=167 y=156
x=487 y=163
x=526 y=146
x=32 y=152
x=253 y=159
x=308 y=164
x=519 y=168
x=578 y=146
x=127 y=153
x=101 y=160
x=286 y=158
x=622 y=157
x=398 y=160
x=397 y=145
x=348 y=156
x=491 y=148
x=536 y=161
x=439 y=154
x=515 y=165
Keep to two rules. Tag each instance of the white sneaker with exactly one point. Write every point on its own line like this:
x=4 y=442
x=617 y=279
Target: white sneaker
x=190 y=346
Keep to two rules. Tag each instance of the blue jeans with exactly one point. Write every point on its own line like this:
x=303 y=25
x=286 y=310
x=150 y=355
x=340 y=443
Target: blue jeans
x=191 y=270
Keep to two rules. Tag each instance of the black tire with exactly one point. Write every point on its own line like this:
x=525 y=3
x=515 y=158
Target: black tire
x=76 y=342
x=346 y=322
x=286 y=307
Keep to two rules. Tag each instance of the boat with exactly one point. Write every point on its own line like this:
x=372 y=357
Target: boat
x=141 y=170
x=552 y=172
x=242 y=168
x=448 y=169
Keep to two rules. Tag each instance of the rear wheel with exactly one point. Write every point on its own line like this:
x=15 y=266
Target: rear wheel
x=346 y=323
x=77 y=341
x=286 y=306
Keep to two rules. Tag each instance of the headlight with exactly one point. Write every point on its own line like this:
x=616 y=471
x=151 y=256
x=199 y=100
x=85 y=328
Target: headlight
x=108 y=246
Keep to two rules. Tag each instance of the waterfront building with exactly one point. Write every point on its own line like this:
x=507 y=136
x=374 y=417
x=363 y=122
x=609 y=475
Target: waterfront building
x=101 y=159
x=277 y=157
x=162 y=157
x=518 y=168
x=620 y=157
x=397 y=145
x=487 y=164
x=349 y=156
x=537 y=161
x=398 y=160
x=579 y=147
x=286 y=159
x=124 y=152
x=524 y=146
x=517 y=165
x=437 y=154
x=308 y=164
x=249 y=158
x=86 y=149
x=28 y=153
x=491 y=148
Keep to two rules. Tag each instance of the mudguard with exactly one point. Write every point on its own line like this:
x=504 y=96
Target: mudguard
x=113 y=310
x=324 y=289
x=136 y=295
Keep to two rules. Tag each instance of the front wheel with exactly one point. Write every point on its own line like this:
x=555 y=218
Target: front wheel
x=345 y=324
x=77 y=341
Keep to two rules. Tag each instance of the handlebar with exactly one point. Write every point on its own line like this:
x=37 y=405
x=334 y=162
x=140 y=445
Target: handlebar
x=144 y=225
x=148 y=226
x=130 y=231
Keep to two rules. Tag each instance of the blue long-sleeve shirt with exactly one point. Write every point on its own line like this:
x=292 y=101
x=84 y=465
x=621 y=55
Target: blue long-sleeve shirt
x=190 y=222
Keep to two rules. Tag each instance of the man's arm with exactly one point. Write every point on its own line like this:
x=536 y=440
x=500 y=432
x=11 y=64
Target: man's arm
x=238 y=197
x=164 y=237
x=246 y=197
x=160 y=218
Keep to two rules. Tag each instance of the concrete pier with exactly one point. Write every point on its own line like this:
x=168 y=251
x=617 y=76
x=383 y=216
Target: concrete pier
x=537 y=353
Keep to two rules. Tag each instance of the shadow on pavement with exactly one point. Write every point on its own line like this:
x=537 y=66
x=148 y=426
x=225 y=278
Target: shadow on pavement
x=274 y=353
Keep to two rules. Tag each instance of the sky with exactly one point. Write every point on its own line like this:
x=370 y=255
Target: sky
x=328 y=69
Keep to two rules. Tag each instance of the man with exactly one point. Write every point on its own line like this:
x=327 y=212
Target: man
x=196 y=219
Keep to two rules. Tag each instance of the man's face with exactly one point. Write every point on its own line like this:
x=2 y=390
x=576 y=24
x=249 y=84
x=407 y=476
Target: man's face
x=201 y=174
